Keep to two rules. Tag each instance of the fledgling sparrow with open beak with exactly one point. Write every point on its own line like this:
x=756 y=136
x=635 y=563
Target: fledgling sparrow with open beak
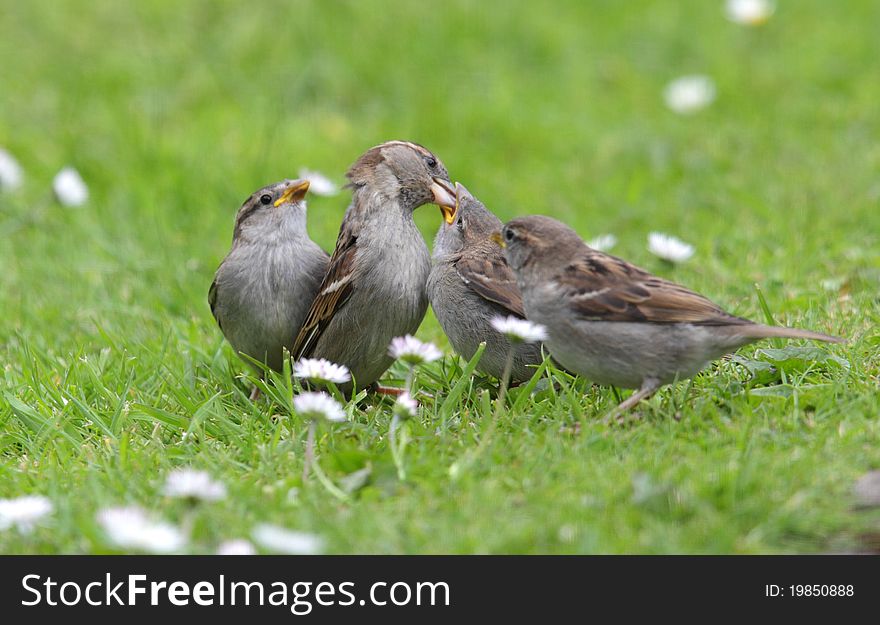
x=374 y=289
x=615 y=323
x=266 y=284
x=470 y=284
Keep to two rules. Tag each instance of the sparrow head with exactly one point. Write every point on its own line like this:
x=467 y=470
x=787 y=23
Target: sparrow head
x=405 y=172
x=467 y=222
x=273 y=207
x=536 y=239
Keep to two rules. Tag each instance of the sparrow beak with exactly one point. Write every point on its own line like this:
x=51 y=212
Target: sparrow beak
x=449 y=212
x=294 y=193
x=444 y=197
x=496 y=236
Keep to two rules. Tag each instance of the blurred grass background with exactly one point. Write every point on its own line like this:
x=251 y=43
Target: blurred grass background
x=174 y=112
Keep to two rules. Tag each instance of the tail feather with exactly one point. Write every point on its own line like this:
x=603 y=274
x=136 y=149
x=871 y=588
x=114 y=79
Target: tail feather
x=759 y=331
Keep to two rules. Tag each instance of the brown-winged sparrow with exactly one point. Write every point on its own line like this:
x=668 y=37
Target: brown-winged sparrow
x=615 y=323
x=470 y=284
x=374 y=289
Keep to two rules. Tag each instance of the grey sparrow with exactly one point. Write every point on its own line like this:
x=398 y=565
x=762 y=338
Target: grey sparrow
x=615 y=323
x=470 y=284
x=264 y=287
x=374 y=289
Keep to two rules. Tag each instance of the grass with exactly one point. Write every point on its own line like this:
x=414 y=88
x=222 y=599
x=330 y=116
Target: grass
x=114 y=372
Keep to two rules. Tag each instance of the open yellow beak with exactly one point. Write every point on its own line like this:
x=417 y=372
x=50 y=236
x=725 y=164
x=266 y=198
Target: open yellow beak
x=449 y=212
x=445 y=197
x=294 y=193
x=496 y=236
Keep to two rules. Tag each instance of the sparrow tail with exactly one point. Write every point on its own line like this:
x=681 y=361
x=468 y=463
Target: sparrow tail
x=759 y=331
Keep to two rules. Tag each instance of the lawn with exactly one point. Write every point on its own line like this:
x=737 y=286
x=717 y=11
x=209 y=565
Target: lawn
x=114 y=372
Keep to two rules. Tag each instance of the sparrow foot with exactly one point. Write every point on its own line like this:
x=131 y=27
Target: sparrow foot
x=391 y=391
x=649 y=387
x=256 y=393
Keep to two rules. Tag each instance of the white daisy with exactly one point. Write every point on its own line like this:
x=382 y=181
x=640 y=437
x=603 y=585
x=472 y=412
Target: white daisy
x=131 y=528
x=318 y=405
x=689 y=94
x=321 y=370
x=282 y=540
x=236 y=547
x=405 y=406
x=519 y=330
x=11 y=174
x=23 y=513
x=749 y=12
x=319 y=184
x=412 y=351
x=192 y=484
x=70 y=188
x=669 y=248
x=603 y=242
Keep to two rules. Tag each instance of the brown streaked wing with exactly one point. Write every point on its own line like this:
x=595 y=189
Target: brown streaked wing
x=486 y=272
x=335 y=290
x=602 y=287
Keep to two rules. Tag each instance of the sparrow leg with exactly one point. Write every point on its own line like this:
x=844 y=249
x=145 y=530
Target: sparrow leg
x=256 y=394
x=391 y=391
x=649 y=387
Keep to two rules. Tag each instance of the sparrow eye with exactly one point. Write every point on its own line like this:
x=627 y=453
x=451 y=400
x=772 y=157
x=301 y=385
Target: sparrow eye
x=508 y=234
x=265 y=198
x=432 y=162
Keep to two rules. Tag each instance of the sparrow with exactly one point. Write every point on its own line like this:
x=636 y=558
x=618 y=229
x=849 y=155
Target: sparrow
x=470 y=284
x=615 y=323
x=374 y=289
x=263 y=288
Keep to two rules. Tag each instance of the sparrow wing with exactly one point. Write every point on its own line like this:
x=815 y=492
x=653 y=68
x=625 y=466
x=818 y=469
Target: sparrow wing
x=212 y=301
x=487 y=274
x=601 y=287
x=335 y=290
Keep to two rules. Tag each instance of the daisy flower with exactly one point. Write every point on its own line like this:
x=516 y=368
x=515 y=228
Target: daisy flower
x=23 y=513
x=70 y=188
x=689 y=94
x=317 y=406
x=412 y=351
x=669 y=248
x=603 y=242
x=405 y=406
x=192 y=484
x=321 y=370
x=319 y=184
x=282 y=540
x=519 y=330
x=749 y=12
x=237 y=547
x=131 y=528
x=11 y=174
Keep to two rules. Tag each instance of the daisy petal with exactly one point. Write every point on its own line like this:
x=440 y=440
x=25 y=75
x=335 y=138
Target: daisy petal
x=749 y=12
x=319 y=184
x=23 y=513
x=413 y=351
x=317 y=406
x=689 y=94
x=11 y=174
x=192 y=484
x=669 y=248
x=519 y=330
x=321 y=370
x=282 y=540
x=70 y=188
